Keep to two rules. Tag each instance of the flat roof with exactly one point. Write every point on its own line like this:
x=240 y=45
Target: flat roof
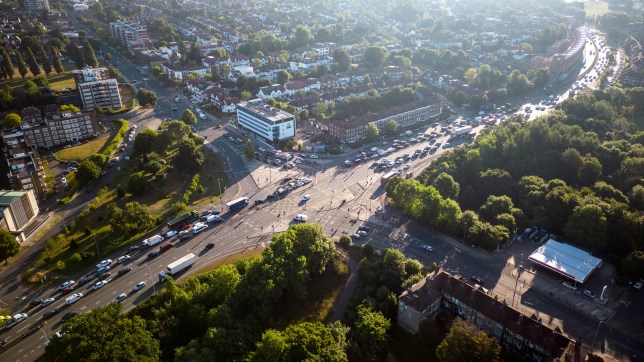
x=566 y=260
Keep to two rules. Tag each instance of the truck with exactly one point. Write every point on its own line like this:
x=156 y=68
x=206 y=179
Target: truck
x=153 y=240
x=177 y=266
x=461 y=131
x=237 y=204
x=182 y=220
x=386 y=177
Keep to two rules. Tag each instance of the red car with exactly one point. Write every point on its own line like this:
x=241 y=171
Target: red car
x=68 y=289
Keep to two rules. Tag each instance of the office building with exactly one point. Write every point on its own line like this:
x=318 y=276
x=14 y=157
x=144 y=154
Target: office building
x=270 y=123
x=97 y=89
x=17 y=210
x=20 y=168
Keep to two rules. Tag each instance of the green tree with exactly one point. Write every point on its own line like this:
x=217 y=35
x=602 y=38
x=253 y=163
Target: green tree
x=5 y=99
x=12 y=120
x=374 y=56
x=74 y=53
x=9 y=246
x=345 y=241
x=137 y=183
x=189 y=156
x=249 y=150
x=283 y=76
x=146 y=97
x=447 y=186
x=7 y=65
x=302 y=342
x=87 y=172
x=465 y=342
x=342 y=59
x=246 y=95
x=633 y=265
x=134 y=218
x=587 y=225
x=391 y=128
x=22 y=67
x=104 y=334
x=371 y=132
x=369 y=334
x=89 y=55
x=302 y=37
x=41 y=80
x=31 y=61
x=153 y=167
x=188 y=117
x=145 y=141
x=68 y=108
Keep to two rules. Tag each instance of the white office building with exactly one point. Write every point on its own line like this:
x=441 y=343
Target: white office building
x=270 y=123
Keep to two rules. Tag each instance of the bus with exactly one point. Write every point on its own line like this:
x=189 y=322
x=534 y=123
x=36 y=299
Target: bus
x=386 y=177
x=237 y=204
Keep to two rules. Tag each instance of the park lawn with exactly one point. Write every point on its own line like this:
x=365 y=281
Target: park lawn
x=323 y=293
x=80 y=153
x=53 y=78
x=65 y=80
x=595 y=8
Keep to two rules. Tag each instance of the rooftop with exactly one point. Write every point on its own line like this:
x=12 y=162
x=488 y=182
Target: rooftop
x=6 y=197
x=566 y=259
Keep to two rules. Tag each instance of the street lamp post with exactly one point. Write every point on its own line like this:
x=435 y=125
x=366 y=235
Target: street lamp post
x=517 y=280
x=592 y=346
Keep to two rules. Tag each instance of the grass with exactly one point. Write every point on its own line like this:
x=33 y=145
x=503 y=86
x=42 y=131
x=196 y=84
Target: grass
x=213 y=179
x=322 y=294
x=65 y=80
x=56 y=81
x=80 y=153
x=595 y=8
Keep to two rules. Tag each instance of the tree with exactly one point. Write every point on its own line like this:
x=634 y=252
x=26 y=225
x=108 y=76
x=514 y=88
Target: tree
x=87 y=172
x=249 y=150
x=633 y=265
x=137 y=183
x=345 y=241
x=145 y=141
x=465 y=342
x=31 y=61
x=391 y=128
x=374 y=56
x=5 y=99
x=88 y=54
x=188 y=117
x=22 y=67
x=446 y=186
x=7 y=64
x=41 y=80
x=302 y=37
x=12 y=120
x=371 y=132
x=9 y=246
x=342 y=59
x=134 y=218
x=189 y=156
x=283 y=76
x=587 y=225
x=75 y=55
x=302 y=342
x=68 y=108
x=146 y=97
x=369 y=334
x=104 y=334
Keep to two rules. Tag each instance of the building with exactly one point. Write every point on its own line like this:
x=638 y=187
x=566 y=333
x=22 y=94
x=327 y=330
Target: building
x=566 y=260
x=175 y=71
x=36 y=6
x=20 y=168
x=352 y=129
x=17 y=210
x=270 y=123
x=58 y=128
x=633 y=74
x=96 y=88
x=131 y=34
x=449 y=297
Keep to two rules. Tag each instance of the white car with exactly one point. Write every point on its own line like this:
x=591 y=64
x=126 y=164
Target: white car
x=99 y=285
x=139 y=286
x=306 y=197
x=356 y=236
x=170 y=234
x=102 y=270
x=262 y=149
x=16 y=319
x=361 y=232
x=48 y=301
x=428 y=248
x=122 y=259
x=73 y=298
x=66 y=284
x=120 y=297
x=313 y=156
x=105 y=262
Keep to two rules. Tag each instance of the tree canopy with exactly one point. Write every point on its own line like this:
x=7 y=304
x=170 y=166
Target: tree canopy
x=465 y=342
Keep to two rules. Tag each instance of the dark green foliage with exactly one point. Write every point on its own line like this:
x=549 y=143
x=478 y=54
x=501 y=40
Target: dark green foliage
x=466 y=342
x=9 y=246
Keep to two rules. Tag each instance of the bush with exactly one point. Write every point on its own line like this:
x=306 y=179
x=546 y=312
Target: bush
x=76 y=258
x=88 y=231
x=60 y=265
x=345 y=241
x=73 y=245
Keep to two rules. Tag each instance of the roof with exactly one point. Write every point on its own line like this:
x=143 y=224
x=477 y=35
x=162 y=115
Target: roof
x=6 y=197
x=566 y=259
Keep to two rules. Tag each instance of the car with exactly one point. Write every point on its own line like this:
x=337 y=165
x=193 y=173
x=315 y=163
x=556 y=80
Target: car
x=35 y=302
x=209 y=246
x=69 y=316
x=48 y=301
x=478 y=280
x=66 y=284
x=364 y=228
x=638 y=285
x=568 y=284
x=306 y=198
x=133 y=248
x=99 y=285
x=262 y=149
x=19 y=318
x=399 y=172
x=102 y=270
x=139 y=286
x=355 y=236
x=407 y=166
x=50 y=313
x=122 y=259
x=73 y=298
x=313 y=156
x=153 y=254
x=589 y=294
x=170 y=234
x=361 y=232
x=429 y=248
x=184 y=237
x=120 y=298
x=118 y=169
x=124 y=271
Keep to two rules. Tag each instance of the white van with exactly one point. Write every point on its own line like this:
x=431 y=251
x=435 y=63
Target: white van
x=301 y=218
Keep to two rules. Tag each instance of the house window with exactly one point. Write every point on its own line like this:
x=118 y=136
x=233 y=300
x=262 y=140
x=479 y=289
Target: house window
x=489 y=323
x=499 y=325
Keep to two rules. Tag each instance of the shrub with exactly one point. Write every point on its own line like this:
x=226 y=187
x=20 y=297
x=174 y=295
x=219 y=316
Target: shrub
x=73 y=245
x=367 y=249
x=345 y=241
x=75 y=258
x=60 y=265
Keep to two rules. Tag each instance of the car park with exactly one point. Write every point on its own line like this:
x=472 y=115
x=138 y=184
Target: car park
x=99 y=285
x=122 y=259
x=478 y=280
x=139 y=286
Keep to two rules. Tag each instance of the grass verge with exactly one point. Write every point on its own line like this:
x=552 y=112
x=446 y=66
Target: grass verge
x=80 y=153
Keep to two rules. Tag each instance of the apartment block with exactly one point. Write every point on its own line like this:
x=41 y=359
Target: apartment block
x=36 y=6
x=17 y=210
x=58 y=128
x=270 y=123
x=97 y=89
x=20 y=168
x=450 y=297
x=132 y=35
